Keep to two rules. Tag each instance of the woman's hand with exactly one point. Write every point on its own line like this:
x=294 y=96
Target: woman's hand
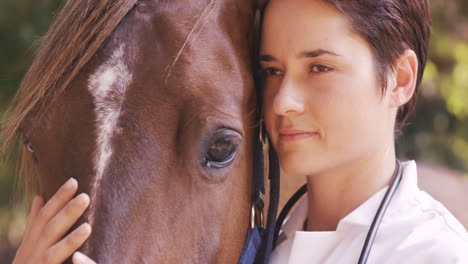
x=47 y=224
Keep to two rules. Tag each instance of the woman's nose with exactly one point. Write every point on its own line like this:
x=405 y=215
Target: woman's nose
x=289 y=99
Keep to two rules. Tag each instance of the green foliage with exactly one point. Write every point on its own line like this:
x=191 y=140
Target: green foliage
x=22 y=22
x=454 y=87
x=438 y=132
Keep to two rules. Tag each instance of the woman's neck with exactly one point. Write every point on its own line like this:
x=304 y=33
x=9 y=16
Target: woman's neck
x=336 y=192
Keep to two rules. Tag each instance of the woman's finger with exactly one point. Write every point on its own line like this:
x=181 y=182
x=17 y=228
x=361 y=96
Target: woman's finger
x=36 y=206
x=61 y=251
x=52 y=207
x=25 y=246
x=64 y=220
x=80 y=258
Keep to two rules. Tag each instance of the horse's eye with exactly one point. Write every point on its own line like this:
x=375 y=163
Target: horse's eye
x=223 y=149
x=28 y=145
x=30 y=148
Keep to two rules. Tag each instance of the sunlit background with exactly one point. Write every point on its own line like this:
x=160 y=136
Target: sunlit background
x=437 y=133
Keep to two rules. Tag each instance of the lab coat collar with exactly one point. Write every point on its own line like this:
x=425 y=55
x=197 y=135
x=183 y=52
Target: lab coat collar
x=362 y=216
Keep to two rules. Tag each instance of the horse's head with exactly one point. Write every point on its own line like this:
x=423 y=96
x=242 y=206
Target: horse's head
x=157 y=125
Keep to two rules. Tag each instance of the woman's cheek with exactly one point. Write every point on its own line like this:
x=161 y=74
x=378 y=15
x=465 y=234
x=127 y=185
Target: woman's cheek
x=269 y=114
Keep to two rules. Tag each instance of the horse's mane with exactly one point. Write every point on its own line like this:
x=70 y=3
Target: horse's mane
x=78 y=32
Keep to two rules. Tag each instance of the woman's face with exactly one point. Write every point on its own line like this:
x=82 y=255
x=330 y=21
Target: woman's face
x=322 y=98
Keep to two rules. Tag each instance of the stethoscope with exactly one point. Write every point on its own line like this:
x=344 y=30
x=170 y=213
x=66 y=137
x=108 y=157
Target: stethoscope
x=397 y=175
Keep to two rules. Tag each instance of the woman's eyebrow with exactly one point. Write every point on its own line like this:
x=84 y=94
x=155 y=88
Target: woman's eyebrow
x=301 y=55
x=267 y=57
x=315 y=53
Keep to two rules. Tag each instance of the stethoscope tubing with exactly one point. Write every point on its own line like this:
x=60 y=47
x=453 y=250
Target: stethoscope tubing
x=379 y=214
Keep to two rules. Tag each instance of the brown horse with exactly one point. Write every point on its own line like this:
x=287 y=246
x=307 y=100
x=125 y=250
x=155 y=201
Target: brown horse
x=151 y=106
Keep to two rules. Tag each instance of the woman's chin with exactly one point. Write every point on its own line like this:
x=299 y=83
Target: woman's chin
x=295 y=167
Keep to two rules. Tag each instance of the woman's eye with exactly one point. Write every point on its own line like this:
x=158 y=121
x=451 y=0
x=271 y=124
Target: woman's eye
x=223 y=149
x=271 y=72
x=319 y=69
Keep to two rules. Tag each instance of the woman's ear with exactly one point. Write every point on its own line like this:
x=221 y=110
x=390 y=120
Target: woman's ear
x=404 y=77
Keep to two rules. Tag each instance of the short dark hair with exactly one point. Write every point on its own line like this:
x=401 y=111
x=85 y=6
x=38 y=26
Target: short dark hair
x=390 y=27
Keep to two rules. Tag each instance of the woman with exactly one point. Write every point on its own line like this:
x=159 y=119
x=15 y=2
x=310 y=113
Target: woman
x=340 y=78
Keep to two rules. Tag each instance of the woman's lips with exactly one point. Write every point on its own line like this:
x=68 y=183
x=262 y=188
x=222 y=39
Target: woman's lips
x=289 y=135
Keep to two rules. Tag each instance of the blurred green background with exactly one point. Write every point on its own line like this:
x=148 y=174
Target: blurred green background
x=437 y=133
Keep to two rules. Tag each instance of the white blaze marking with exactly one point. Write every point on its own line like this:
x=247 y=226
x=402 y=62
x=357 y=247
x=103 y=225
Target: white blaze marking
x=107 y=85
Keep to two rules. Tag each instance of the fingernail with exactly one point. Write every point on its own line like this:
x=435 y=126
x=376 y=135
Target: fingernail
x=36 y=199
x=83 y=199
x=39 y=199
x=78 y=258
x=70 y=182
x=84 y=229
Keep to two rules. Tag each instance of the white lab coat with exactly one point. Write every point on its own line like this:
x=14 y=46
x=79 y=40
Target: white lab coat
x=415 y=229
